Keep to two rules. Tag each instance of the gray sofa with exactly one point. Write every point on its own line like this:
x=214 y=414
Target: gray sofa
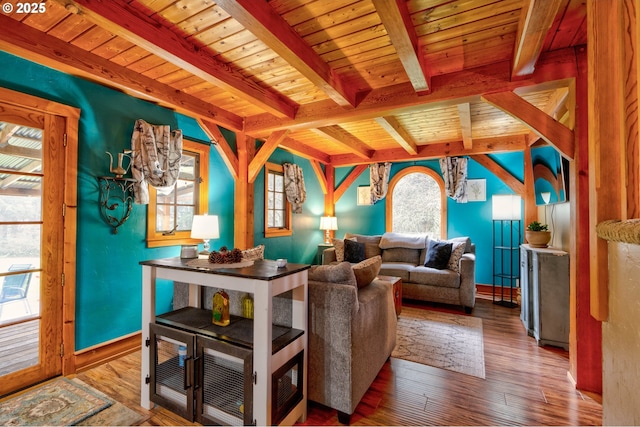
x=352 y=332
x=404 y=256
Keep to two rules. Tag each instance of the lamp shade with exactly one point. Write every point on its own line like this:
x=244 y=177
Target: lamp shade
x=328 y=223
x=506 y=206
x=205 y=227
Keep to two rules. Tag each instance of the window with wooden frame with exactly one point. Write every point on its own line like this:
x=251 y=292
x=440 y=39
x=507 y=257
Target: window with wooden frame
x=171 y=212
x=416 y=202
x=277 y=209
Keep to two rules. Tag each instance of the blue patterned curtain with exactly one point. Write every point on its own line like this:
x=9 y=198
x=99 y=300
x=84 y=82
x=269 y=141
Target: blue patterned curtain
x=454 y=172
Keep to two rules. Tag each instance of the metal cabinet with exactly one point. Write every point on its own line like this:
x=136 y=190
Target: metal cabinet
x=545 y=295
x=526 y=301
x=200 y=378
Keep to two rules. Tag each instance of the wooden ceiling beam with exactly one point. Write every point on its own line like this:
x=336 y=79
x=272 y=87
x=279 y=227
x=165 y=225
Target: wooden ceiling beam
x=121 y=19
x=24 y=41
x=346 y=183
x=305 y=151
x=347 y=140
x=556 y=108
x=320 y=175
x=265 y=152
x=553 y=132
x=270 y=28
x=393 y=127
x=397 y=21
x=447 y=90
x=464 y=112
x=222 y=146
x=494 y=167
x=536 y=19
x=436 y=151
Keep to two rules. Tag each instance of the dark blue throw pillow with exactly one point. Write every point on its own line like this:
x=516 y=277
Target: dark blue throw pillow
x=438 y=254
x=353 y=251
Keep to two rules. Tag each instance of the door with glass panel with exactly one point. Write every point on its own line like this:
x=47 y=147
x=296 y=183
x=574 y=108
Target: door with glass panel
x=32 y=165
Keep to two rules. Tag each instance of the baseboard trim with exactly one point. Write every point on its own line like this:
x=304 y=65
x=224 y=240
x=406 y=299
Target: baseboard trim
x=105 y=352
x=487 y=291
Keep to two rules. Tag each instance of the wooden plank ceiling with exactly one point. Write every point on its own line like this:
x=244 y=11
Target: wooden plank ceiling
x=350 y=81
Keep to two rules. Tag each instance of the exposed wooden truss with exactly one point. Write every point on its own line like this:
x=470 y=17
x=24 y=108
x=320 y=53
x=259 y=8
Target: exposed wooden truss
x=361 y=78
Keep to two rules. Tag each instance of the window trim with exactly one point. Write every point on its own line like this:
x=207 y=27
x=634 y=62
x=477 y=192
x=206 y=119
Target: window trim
x=443 y=198
x=287 y=229
x=156 y=239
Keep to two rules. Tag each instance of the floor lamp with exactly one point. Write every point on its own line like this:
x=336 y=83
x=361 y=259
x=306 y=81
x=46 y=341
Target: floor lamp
x=506 y=212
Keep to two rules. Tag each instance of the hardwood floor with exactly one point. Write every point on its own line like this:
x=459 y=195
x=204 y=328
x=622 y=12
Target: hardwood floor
x=524 y=385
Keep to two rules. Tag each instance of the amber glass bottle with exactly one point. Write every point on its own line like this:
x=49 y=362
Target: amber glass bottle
x=220 y=306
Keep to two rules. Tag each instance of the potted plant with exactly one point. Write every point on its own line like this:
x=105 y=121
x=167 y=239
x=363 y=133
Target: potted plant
x=537 y=235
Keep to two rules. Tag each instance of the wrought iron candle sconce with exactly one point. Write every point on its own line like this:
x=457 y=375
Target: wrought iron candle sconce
x=116 y=200
x=116 y=193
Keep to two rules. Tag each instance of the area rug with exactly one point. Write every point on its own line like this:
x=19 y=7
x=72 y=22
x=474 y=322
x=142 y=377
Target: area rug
x=443 y=340
x=64 y=402
x=115 y=415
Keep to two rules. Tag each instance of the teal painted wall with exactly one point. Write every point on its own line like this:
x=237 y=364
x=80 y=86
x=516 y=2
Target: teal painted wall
x=302 y=245
x=108 y=299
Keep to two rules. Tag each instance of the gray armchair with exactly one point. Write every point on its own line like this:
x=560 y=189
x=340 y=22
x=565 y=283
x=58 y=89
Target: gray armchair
x=352 y=332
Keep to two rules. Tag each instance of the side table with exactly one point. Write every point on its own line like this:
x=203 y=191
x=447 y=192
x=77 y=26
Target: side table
x=321 y=248
x=396 y=282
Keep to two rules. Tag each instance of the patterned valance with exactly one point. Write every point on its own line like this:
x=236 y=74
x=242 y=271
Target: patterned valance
x=454 y=172
x=294 y=186
x=379 y=180
x=156 y=153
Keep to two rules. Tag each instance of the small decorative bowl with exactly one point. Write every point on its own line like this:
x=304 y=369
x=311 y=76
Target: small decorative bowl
x=281 y=262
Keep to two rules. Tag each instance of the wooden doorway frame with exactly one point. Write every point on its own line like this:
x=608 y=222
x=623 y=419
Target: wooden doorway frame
x=71 y=117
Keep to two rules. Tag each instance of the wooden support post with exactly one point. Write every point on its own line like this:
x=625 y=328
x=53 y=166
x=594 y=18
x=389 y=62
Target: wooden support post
x=585 y=336
x=243 y=206
x=607 y=165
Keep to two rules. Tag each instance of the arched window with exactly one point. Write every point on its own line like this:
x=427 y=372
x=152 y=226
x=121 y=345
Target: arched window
x=416 y=202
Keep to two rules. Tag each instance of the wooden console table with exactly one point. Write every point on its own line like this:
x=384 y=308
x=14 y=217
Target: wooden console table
x=264 y=280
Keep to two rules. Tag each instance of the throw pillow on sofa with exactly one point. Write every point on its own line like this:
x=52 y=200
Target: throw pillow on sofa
x=337 y=273
x=338 y=244
x=371 y=243
x=457 y=250
x=438 y=254
x=353 y=251
x=367 y=270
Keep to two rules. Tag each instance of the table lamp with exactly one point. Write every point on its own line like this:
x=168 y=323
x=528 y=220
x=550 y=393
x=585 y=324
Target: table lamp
x=205 y=227
x=328 y=223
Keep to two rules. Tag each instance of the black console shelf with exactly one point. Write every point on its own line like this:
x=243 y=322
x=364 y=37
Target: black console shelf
x=238 y=332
